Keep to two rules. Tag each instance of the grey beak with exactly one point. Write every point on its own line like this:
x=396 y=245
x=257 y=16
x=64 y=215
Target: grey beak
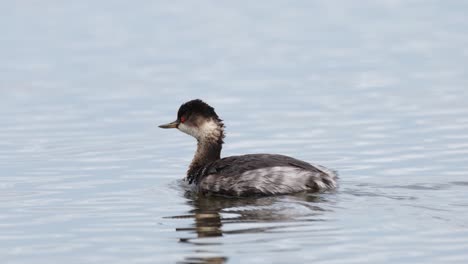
x=174 y=124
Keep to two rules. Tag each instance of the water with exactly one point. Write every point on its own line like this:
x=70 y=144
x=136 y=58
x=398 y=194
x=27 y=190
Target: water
x=376 y=90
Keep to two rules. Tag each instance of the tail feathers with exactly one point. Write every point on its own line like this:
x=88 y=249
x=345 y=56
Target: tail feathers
x=323 y=181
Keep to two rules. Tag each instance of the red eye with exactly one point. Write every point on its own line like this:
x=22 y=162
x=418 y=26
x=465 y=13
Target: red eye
x=182 y=119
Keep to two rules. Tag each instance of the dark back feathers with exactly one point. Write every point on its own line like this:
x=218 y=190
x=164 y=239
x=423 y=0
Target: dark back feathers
x=236 y=165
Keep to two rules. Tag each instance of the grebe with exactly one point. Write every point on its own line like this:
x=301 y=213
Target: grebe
x=245 y=175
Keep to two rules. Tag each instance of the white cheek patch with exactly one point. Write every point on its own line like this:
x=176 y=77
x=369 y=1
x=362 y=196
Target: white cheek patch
x=188 y=130
x=209 y=129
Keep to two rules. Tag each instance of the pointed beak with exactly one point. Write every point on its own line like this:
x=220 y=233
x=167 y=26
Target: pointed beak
x=174 y=124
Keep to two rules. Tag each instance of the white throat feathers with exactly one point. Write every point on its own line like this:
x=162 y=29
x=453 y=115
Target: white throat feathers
x=209 y=130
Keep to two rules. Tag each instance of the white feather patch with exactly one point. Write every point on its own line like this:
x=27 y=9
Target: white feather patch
x=271 y=180
x=209 y=129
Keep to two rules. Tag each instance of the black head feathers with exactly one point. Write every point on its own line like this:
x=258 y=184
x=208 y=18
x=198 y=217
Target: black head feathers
x=196 y=106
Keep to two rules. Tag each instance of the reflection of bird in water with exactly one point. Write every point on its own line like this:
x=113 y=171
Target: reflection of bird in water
x=211 y=213
x=246 y=175
x=207 y=224
x=206 y=260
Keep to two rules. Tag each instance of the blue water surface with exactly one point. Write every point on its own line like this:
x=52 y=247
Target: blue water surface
x=377 y=90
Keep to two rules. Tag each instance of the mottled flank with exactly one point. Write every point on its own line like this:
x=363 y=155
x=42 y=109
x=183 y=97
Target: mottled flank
x=262 y=174
x=246 y=175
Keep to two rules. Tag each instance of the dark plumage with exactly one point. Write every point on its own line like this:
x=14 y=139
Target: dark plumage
x=252 y=174
x=197 y=107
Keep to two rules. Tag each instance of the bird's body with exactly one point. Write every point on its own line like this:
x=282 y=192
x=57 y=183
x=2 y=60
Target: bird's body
x=260 y=174
x=245 y=175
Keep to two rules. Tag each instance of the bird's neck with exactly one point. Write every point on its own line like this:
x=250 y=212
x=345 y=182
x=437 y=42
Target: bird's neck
x=208 y=150
x=205 y=154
